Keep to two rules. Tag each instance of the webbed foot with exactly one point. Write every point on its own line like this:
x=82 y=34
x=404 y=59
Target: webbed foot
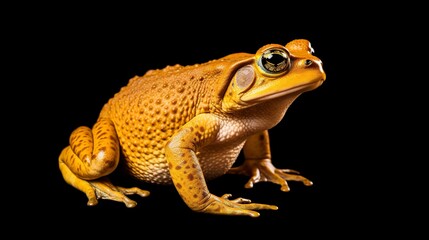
x=239 y=206
x=264 y=171
x=104 y=189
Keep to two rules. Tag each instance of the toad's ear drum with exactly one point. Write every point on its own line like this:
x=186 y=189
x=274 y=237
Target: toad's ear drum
x=245 y=77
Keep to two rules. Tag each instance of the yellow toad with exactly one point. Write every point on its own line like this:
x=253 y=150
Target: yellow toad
x=184 y=125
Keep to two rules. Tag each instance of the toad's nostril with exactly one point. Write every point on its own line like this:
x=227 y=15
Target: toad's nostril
x=308 y=62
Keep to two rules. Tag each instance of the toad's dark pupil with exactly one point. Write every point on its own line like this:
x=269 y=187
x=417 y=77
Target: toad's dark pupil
x=273 y=58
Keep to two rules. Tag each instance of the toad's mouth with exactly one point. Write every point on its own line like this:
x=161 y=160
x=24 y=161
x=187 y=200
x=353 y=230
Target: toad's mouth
x=290 y=85
x=291 y=91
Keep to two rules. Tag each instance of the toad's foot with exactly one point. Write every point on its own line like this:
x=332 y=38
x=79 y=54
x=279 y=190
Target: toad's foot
x=239 y=206
x=104 y=189
x=264 y=171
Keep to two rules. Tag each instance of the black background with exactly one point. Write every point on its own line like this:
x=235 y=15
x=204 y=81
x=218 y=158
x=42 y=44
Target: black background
x=68 y=63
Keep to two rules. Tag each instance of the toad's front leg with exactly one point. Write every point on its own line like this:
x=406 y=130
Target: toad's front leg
x=188 y=177
x=259 y=167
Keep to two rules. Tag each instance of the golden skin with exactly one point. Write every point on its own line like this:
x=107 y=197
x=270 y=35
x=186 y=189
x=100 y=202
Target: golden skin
x=184 y=125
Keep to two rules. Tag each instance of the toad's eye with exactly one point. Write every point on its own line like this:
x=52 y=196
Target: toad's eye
x=274 y=61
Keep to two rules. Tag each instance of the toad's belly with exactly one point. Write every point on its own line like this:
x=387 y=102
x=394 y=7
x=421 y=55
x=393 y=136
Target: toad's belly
x=214 y=161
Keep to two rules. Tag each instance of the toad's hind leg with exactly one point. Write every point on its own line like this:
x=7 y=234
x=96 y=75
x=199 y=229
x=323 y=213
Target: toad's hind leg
x=91 y=156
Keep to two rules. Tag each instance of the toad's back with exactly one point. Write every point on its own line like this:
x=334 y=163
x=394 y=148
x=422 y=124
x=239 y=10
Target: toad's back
x=151 y=108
